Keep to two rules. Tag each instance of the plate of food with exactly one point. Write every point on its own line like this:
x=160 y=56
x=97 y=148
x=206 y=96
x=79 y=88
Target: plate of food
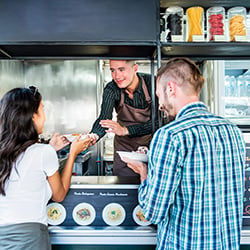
x=84 y=214
x=138 y=216
x=56 y=213
x=133 y=155
x=71 y=137
x=113 y=214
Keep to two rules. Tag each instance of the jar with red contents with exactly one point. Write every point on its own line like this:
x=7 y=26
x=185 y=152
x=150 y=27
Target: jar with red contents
x=215 y=22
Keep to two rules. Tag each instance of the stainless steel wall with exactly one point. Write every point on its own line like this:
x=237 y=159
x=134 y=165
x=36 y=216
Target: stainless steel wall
x=11 y=75
x=210 y=88
x=69 y=90
x=69 y=93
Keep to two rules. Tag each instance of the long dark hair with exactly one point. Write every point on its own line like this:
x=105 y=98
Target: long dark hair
x=17 y=130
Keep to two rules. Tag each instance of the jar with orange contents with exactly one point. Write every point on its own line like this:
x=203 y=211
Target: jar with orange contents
x=237 y=23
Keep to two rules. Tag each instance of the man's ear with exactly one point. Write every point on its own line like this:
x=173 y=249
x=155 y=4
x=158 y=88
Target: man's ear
x=171 y=88
x=136 y=67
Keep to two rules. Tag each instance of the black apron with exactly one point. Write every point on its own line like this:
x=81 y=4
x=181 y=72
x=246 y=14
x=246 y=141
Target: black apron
x=127 y=115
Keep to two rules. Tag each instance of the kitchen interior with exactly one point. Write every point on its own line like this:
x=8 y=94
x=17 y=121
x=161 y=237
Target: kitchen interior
x=72 y=91
x=71 y=76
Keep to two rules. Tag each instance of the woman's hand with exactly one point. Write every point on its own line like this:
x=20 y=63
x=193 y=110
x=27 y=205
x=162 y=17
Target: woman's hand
x=94 y=138
x=58 y=141
x=78 y=145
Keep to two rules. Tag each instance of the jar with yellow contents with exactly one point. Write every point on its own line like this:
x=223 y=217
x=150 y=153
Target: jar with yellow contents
x=195 y=24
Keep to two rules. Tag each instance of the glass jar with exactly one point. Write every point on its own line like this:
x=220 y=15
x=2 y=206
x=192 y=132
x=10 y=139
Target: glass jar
x=174 y=22
x=195 y=23
x=236 y=22
x=215 y=22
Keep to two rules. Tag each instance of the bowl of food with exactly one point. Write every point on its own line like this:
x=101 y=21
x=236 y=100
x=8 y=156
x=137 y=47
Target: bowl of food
x=56 y=213
x=138 y=216
x=113 y=214
x=84 y=214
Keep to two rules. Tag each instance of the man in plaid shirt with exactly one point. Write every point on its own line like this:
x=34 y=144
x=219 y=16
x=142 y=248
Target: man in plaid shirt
x=193 y=184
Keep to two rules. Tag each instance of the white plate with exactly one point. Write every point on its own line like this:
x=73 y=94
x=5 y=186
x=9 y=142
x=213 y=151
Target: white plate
x=84 y=214
x=56 y=213
x=139 y=217
x=133 y=156
x=113 y=214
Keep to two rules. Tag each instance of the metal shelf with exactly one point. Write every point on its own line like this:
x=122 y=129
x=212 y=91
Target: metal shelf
x=207 y=50
x=204 y=50
x=50 y=50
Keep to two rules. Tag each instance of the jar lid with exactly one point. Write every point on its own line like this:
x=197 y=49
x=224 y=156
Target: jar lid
x=216 y=9
x=237 y=10
x=174 y=9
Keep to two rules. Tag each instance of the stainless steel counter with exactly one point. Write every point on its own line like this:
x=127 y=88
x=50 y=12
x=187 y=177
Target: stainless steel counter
x=113 y=235
x=245 y=235
x=85 y=235
x=96 y=181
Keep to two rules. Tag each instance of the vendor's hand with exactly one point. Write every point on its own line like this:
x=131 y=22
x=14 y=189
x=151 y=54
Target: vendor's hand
x=139 y=167
x=58 y=141
x=114 y=127
x=78 y=145
x=94 y=139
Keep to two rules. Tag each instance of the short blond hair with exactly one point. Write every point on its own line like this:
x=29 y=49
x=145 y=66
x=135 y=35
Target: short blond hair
x=183 y=72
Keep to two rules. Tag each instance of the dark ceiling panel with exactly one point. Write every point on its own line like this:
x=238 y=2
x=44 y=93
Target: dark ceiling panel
x=78 y=20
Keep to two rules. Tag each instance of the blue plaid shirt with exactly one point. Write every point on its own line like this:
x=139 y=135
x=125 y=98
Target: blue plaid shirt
x=195 y=186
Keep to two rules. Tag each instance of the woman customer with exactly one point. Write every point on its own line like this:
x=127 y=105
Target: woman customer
x=29 y=174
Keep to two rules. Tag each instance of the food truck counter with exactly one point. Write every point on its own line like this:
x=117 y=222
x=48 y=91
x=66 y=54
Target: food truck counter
x=100 y=210
x=103 y=211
